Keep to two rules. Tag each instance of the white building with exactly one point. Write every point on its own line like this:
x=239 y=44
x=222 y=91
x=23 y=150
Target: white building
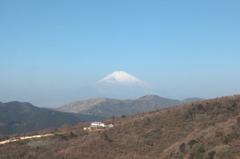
x=98 y=125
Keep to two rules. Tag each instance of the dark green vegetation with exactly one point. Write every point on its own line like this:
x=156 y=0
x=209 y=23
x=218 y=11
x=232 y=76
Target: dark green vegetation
x=17 y=117
x=208 y=129
x=112 y=107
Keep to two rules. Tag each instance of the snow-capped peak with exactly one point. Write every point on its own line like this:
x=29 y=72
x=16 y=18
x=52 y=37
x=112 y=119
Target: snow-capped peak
x=120 y=77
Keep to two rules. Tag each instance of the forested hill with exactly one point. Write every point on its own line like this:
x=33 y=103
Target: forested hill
x=20 y=117
x=208 y=129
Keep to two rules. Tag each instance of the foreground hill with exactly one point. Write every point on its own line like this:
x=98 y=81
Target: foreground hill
x=112 y=107
x=208 y=129
x=18 y=117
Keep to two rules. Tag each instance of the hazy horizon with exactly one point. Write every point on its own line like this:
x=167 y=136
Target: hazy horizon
x=53 y=52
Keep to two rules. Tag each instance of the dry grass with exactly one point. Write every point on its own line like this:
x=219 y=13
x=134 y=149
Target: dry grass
x=208 y=129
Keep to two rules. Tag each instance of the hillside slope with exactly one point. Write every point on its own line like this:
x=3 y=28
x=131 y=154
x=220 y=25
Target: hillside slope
x=112 y=107
x=19 y=117
x=208 y=129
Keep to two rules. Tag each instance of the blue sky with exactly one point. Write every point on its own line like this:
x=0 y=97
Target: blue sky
x=52 y=52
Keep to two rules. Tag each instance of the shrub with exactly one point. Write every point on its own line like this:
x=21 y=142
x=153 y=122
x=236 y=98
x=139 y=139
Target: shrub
x=105 y=137
x=192 y=155
x=200 y=107
x=211 y=154
x=72 y=135
x=191 y=143
x=188 y=114
x=182 y=147
x=218 y=134
x=238 y=120
x=61 y=137
x=201 y=149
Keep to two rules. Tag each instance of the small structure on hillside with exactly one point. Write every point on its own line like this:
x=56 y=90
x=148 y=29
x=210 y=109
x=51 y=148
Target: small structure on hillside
x=110 y=125
x=98 y=125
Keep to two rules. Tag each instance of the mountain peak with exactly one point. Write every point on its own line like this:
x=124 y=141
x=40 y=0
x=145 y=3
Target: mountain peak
x=120 y=77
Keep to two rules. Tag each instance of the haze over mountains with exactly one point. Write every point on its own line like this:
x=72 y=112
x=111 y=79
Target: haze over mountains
x=114 y=107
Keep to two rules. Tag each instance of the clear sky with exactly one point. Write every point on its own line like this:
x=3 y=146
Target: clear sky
x=52 y=52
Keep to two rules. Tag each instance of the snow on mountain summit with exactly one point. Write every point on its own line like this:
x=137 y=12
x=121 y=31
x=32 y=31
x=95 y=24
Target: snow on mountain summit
x=120 y=77
x=122 y=85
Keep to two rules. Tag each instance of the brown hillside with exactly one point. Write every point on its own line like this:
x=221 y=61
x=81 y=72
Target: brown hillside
x=208 y=129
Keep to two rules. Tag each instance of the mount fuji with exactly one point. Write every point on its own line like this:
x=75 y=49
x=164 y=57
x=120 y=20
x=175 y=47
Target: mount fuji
x=122 y=85
x=121 y=78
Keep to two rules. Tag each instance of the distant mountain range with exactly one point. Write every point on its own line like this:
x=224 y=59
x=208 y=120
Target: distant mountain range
x=113 y=107
x=20 y=117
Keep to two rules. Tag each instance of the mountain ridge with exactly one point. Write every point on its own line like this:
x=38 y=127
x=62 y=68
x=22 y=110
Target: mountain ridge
x=115 y=107
x=21 y=117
